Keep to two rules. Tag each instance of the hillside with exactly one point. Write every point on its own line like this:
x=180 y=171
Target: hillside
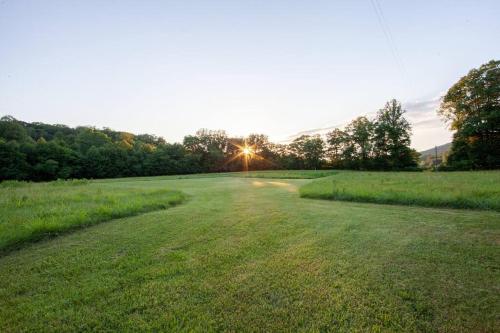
x=430 y=152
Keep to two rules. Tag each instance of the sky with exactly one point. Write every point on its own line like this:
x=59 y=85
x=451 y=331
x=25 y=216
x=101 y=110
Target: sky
x=275 y=67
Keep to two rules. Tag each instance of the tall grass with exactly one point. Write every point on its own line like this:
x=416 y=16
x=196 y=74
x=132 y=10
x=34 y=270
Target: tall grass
x=473 y=190
x=30 y=212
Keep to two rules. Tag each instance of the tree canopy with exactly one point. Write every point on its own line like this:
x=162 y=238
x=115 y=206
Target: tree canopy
x=39 y=152
x=379 y=144
x=472 y=108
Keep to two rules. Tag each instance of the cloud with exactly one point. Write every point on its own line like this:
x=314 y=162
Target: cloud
x=427 y=127
x=423 y=112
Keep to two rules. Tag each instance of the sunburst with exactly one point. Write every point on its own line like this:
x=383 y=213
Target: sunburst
x=246 y=153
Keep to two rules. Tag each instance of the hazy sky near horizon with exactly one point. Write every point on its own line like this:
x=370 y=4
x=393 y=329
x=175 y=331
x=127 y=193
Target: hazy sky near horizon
x=275 y=67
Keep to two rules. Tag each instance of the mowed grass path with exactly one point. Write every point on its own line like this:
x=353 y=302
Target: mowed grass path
x=33 y=211
x=476 y=190
x=250 y=255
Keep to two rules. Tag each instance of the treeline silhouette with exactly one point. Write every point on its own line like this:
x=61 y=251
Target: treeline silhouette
x=39 y=152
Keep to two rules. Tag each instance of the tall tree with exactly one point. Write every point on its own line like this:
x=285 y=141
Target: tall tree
x=336 y=141
x=309 y=149
x=360 y=131
x=472 y=108
x=392 y=134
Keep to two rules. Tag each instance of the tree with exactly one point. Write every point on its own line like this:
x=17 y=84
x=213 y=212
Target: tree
x=126 y=140
x=90 y=137
x=392 y=134
x=472 y=108
x=314 y=152
x=309 y=150
x=53 y=160
x=12 y=130
x=210 y=146
x=13 y=164
x=265 y=157
x=336 y=141
x=360 y=131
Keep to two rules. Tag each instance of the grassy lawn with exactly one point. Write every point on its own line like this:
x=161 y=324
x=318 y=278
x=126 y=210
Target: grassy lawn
x=30 y=212
x=285 y=174
x=248 y=254
x=274 y=174
x=478 y=190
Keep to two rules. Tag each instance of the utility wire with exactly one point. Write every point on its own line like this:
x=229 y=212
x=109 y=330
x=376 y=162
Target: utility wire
x=393 y=49
x=390 y=40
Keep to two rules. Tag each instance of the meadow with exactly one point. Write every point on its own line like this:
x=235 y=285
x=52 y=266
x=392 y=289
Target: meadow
x=33 y=211
x=249 y=254
x=273 y=174
x=285 y=174
x=474 y=190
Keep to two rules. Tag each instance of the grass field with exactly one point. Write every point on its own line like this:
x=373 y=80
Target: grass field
x=275 y=174
x=30 y=212
x=285 y=174
x=477 y=190
x=248 y=254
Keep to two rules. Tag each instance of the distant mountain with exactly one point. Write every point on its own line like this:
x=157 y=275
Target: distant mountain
x=431 y=152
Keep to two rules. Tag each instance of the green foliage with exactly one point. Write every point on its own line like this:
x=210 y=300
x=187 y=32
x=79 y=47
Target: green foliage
x=336 y=140
x=11 y=130
x=209 y=147
x=250 y=255
x=478 y=190
x=472 y=107
x=379 y=144
x=42 y=152
x=360 y=140
x=13 y=164
x=31 y=212
x=308 y=150
x=392 y=138
x=90 y=137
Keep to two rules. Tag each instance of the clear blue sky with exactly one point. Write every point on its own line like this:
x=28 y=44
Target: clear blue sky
x=273 y=67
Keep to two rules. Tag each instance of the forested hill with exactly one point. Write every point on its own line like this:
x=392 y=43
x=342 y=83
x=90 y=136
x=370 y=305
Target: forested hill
x=442 y=149
x=38 y=151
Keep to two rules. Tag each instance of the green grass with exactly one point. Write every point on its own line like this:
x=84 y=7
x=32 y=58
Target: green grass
x=30 y=212
x=272 y=174
x=285 y=174
x=251 y=255
x=475 y=190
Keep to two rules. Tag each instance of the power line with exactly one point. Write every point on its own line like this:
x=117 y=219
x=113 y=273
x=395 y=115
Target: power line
x=377 y=8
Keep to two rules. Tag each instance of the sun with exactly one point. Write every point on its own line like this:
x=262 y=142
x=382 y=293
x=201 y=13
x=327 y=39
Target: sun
x=247 y=151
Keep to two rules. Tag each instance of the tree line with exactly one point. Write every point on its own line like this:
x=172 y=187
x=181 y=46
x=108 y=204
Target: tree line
x=38 y=151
